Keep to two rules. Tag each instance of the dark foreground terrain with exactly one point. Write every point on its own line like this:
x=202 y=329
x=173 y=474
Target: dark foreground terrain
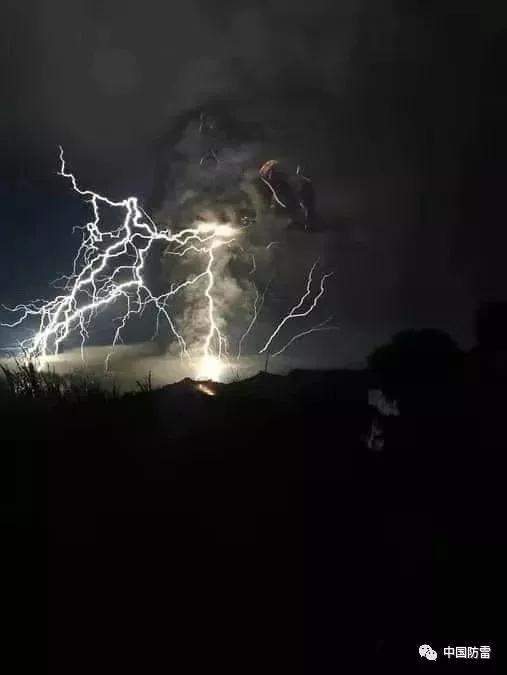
x=171 y=531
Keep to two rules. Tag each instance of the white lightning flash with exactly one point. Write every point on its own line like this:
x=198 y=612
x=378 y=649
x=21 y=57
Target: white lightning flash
x=109 y=272
x=315 y=329
x=109 y=267
x=294 y=313
x=257 y=306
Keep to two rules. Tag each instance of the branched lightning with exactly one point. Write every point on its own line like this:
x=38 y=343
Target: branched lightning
x=108 y=272
x=294 y=313
x=109 y=267
x=257 y=307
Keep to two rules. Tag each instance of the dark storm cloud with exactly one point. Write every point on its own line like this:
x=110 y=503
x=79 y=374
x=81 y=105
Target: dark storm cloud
x=106 y=79
x=109 y=68
x=378 y=99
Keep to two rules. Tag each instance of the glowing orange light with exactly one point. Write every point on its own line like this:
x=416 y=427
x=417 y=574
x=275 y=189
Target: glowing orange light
x=206 y=389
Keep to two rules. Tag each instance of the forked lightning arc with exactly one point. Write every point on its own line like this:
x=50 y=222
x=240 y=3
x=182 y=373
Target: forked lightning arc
x=109 y=271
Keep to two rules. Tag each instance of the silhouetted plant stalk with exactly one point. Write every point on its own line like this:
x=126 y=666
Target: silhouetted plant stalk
x=145 y=385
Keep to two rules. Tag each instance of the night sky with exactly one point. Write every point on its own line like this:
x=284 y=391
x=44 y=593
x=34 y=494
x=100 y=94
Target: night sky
x=397 y=109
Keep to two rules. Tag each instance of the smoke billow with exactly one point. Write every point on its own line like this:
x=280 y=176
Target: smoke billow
x=211 y=179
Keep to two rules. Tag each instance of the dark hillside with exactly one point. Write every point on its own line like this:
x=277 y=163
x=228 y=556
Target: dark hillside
x=250 y=523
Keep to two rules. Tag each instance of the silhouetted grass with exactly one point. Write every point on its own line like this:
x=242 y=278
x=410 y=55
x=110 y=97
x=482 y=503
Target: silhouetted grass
x=26 y=381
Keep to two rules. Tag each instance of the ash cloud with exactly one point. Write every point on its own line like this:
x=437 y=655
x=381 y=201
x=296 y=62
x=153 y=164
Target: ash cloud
x=379 y=99
x=210 y=174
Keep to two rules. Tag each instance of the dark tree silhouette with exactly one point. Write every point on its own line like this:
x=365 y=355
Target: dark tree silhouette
x=491 y=326
x=417 y=365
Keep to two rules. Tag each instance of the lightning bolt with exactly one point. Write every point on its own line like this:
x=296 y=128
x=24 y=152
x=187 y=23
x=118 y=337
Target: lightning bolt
x=294 y=313
x=109 y=267
x=315 y=329
x=273 y=192
x=109 y=271
x=257 y=306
